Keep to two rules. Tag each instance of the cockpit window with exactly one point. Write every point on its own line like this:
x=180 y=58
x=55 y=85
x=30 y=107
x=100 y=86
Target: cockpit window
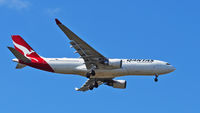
x=167 y=64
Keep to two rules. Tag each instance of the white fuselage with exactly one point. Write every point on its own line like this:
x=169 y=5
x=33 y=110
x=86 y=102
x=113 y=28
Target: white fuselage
x=129 y=67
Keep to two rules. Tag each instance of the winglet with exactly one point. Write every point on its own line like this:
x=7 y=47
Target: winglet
x=76 y=89
x=57 y=21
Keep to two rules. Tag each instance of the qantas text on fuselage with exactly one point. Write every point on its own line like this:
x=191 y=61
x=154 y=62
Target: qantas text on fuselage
x=93 y=65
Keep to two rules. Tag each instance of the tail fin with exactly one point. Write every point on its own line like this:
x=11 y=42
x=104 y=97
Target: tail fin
x=22 y=47
x=27 y=56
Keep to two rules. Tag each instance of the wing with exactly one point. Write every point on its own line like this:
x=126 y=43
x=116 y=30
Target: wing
x=90 y=55
x=89 y=83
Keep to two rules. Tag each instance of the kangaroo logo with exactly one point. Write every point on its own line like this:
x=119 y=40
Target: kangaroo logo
x=24 y=49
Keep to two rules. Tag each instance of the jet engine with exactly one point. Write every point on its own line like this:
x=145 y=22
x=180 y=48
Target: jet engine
x=117 y=84
x=115 y=63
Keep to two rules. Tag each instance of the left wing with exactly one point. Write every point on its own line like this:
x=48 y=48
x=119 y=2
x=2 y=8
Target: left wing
x=92 y=58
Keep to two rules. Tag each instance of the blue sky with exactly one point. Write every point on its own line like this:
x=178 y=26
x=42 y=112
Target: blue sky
x=153 y=29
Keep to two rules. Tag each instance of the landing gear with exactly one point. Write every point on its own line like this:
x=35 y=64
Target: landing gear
x=91 y=73
x=156 y=78
x=88 y=75
x=91 y=87
x=96 y=84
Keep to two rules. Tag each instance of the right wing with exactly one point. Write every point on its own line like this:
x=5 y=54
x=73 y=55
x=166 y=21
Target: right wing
x=89 y=54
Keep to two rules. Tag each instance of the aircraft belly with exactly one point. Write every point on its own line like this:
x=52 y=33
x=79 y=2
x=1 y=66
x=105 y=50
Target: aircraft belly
x=64 y=67
x=109 y=73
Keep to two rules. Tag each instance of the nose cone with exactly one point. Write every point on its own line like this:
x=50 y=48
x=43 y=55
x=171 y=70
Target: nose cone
x=172 y=68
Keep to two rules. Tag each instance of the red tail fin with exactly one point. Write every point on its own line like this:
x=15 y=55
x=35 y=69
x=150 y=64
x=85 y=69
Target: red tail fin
x=36 y=61
x=23 y=47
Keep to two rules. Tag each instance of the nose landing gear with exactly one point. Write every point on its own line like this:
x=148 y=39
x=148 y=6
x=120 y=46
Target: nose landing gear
x=156 y=78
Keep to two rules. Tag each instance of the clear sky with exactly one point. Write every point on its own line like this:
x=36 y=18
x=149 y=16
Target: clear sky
x=154 y=29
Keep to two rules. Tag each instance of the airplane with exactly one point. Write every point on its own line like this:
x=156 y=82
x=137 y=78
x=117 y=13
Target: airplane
x=91 y=64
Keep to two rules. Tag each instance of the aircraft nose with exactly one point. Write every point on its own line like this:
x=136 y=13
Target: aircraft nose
x=172 y=68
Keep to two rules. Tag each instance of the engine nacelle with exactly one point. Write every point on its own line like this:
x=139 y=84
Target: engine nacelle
x=115 y=63
x=118 y=84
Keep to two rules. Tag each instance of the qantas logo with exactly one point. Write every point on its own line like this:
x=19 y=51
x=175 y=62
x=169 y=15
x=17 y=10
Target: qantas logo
x=24 y=49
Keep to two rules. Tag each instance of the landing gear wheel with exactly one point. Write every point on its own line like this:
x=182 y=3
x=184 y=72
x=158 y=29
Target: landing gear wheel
x=96 y=85
x=156 y=79
x=88 y=75
x=92 y=72
x=91 y=87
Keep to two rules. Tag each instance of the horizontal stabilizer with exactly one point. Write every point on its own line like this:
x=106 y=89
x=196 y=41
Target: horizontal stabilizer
x=20 y=66
x=19 y=56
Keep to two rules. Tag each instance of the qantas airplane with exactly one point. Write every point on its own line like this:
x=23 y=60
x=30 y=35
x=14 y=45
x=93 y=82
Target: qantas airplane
x=91 y=64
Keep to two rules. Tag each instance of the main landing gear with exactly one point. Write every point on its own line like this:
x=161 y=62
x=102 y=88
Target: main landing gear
x=92 y=86
x=96 y=84
x=91 y=73
x=156 y=78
